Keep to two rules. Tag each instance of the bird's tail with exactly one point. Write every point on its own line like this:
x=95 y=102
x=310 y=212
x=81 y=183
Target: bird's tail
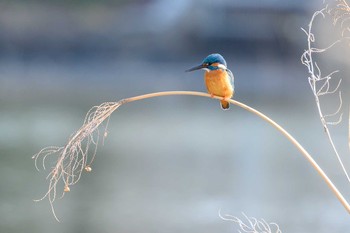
x=224 y=105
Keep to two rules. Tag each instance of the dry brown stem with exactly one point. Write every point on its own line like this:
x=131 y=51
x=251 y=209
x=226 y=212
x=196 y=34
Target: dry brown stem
x=80 y=150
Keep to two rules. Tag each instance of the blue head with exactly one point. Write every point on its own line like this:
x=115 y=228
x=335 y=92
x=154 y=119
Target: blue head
x=212 y=62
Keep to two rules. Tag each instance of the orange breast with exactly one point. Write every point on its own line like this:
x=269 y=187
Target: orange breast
x=218 y=83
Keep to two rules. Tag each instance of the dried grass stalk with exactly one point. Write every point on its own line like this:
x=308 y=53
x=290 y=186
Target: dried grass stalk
x=79 y=152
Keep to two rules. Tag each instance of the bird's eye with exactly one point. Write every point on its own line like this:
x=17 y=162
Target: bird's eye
x=206 y=64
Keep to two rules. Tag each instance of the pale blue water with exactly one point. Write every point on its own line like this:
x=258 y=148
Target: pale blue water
x=168 y=164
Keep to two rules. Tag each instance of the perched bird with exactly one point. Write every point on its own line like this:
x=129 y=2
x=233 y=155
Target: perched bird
x=218 y=79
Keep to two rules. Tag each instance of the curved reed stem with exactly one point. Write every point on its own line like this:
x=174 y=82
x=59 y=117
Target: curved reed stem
x=76 y=156
x=309 y=158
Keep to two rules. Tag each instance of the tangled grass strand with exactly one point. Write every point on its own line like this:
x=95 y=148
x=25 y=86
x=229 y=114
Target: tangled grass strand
x=251 y=224
x=320 y=85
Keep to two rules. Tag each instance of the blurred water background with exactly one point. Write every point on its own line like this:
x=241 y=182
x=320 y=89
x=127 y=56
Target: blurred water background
x=168 y=164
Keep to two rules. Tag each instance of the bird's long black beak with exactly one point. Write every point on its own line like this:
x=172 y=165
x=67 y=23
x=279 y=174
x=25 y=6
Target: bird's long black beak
x=201 y=66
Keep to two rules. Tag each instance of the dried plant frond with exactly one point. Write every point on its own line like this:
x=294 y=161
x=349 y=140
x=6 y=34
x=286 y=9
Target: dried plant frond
x=321 y=86
x=341 y=15
x=78 y=154
x=251 y=224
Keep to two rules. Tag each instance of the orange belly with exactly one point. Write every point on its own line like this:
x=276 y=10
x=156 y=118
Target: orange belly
x=218 y=83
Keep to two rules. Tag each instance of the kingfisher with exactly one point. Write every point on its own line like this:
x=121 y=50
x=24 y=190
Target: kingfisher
x=218 y=78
